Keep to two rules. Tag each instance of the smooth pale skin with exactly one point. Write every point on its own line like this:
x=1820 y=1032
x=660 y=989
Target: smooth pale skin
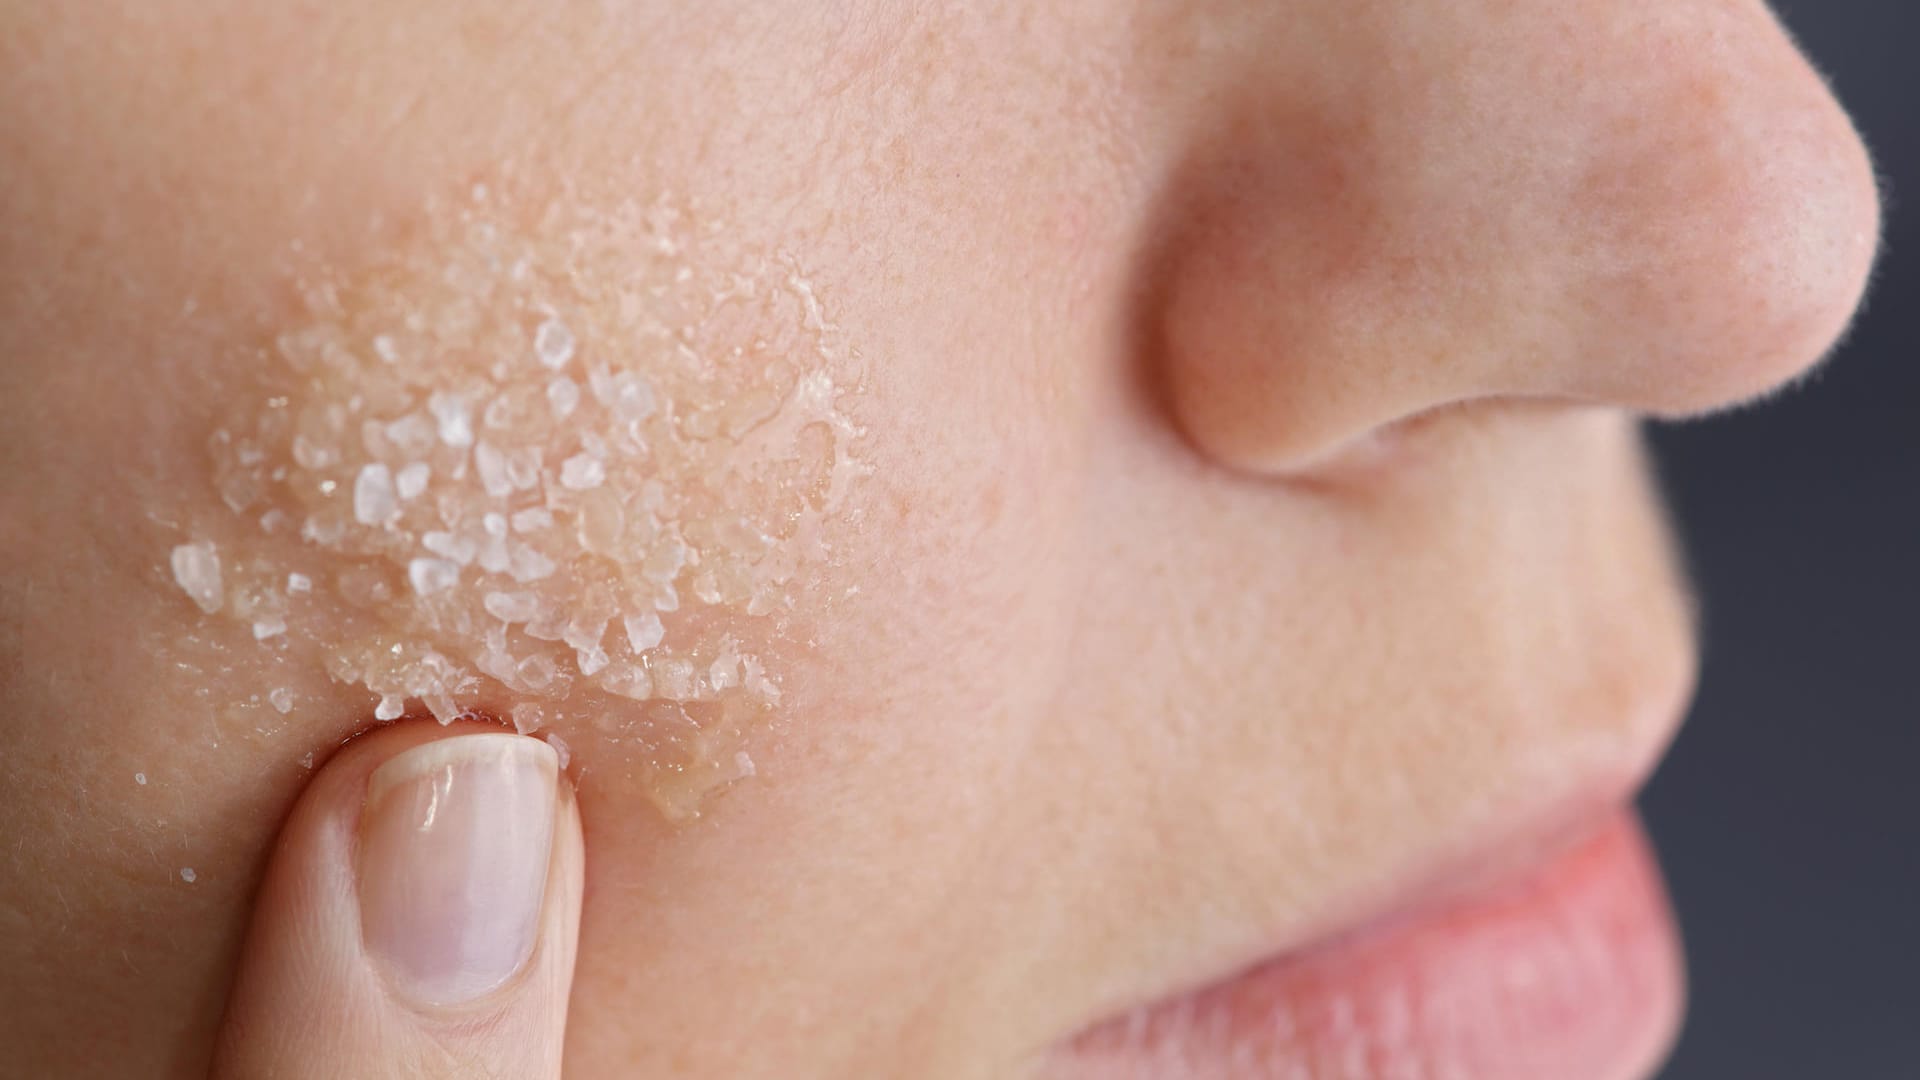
x=1152 y=672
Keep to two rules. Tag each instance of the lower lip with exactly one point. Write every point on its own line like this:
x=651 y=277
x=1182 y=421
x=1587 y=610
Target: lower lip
x=1573 y=972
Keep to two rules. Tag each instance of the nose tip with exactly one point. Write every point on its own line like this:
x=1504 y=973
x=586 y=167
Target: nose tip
x=1673 y=218
x=1732 y=246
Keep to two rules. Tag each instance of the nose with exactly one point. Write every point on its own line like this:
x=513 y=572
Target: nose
x=1656 y=205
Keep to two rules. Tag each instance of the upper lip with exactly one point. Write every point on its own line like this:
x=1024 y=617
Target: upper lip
x=1544 y=826
x=1554 y=824
x=1432 y=888
x=1494 y=865
x=1497 y=844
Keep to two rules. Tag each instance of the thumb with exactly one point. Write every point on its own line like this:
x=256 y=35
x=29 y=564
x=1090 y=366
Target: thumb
x=419 y=917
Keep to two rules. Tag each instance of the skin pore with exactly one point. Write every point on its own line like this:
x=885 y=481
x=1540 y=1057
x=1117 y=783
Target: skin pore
x=1118 y=637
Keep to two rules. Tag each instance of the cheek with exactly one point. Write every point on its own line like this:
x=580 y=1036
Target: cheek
x=583 y=466
x=410 y=491
x=256 y=508
x=725 y=508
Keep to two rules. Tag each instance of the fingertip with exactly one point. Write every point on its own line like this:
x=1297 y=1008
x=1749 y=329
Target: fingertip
x=422 y=904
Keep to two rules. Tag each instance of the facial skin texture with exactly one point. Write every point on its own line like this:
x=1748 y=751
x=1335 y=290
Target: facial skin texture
x=1150 y=656
x=425 y=501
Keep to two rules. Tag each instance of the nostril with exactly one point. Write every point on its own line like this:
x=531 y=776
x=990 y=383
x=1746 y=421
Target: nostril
x=1683 y=221
x=1423 y=435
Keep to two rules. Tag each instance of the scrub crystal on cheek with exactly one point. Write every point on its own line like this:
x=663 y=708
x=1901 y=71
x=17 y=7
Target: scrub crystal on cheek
x=580 y=467
x=196 y=569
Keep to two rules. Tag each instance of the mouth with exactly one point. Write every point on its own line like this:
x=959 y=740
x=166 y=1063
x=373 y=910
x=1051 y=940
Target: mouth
x=1569 y=967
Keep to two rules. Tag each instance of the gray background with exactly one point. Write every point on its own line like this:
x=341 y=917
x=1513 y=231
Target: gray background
x=1786 y=816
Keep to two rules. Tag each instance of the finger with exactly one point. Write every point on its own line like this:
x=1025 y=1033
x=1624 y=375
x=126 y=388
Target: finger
x=419 y=917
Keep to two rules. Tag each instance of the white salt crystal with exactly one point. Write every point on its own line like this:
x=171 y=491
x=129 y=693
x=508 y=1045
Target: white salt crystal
x=644 y=631
x=312 y=455
x=600 y=382
x=523 y=468
x=497 y=662
x=582 y=471
x=563 y=396
x=430 y=576
x=495 y=524
x=412 y=433
x=590 y=660
x=549 y=625
x=196 y=568
x=384 y=348
x=306 y=760
x=298 y=583
x=532 y=520
x=513 y=607
x=630 y=397
x=584 y=633
x=743 y=763
x=599 y=522
x=456 y=422
x=282 y=699
x=373 y=499
x=536 y=671
x=442 y=706
x=140 y=778
x=326 y=530
x=412 y=480
x=627 y=680
x=553 y=343
x=460 y=549
x=268 y=627
x=527 y=564
x=492 y=466
x=666 y=559
x=390 y=708
x=493 y=556
x=187 y=875
x=527 y=717
x=674 y=677
x=560 y=749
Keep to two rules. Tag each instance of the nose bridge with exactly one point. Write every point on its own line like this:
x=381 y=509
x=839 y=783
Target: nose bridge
x=1656 y=206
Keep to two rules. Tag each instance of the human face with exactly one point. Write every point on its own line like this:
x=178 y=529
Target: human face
x=1219 y=523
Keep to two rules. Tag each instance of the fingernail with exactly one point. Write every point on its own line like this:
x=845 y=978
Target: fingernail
x=454 y=842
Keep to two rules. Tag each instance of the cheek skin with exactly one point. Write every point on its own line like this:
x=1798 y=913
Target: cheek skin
x=901 y=695
x=586 y=464
x=895 y=700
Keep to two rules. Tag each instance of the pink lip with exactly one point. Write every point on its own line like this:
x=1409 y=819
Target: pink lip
x=1570 y=971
